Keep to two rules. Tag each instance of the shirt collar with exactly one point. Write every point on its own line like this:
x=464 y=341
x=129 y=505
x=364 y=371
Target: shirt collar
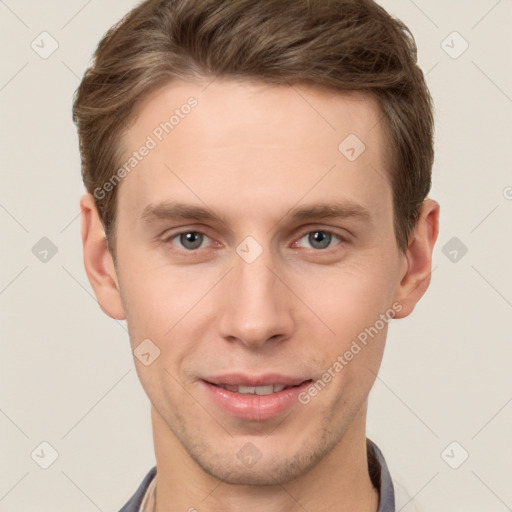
x=381 y=479
x=378 y=469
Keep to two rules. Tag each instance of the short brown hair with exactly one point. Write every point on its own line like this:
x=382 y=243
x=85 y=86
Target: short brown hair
x=343 y=45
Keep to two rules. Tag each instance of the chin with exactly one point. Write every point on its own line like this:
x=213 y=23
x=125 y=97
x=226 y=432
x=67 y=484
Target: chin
x=277 y=469
x=261 y=476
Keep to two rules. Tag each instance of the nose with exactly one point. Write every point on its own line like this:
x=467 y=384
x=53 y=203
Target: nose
x=255 y=306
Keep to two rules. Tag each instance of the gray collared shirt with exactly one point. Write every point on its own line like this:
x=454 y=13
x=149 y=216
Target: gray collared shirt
x=377 y=466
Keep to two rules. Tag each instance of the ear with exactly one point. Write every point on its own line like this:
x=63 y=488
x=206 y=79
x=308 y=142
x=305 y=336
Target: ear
x=418 y=259
x=98 y=261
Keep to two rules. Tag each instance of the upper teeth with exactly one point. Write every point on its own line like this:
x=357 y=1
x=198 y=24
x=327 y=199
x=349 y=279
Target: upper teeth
x=255 y=390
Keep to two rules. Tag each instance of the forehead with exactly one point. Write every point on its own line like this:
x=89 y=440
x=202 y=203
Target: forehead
x=242 y=145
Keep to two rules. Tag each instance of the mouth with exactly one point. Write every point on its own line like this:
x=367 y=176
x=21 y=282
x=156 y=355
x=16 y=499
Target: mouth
x=268 y=389
x=256 y=398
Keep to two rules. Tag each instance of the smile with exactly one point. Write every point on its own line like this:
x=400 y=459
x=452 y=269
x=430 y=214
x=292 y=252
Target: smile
x=256 y=390
x=255 y=399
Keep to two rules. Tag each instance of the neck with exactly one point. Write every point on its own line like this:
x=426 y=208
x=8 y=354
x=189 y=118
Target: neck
x=340 y=482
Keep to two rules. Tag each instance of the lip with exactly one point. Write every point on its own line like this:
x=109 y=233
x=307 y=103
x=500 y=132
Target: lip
x=254 y=407
x=239 y=379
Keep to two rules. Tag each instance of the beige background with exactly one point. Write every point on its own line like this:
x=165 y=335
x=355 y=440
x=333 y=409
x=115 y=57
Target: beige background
x=67 y=376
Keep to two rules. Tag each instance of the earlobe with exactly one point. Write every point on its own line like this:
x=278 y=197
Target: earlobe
x=98 y=262
x=418 y=256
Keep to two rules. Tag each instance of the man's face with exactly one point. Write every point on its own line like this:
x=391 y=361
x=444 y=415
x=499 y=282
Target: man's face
x=257 y=294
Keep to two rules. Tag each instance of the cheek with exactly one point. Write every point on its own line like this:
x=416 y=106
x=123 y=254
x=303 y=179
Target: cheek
x=156 y=313
x=348 y=300
x=156 y=297
x=164 y=305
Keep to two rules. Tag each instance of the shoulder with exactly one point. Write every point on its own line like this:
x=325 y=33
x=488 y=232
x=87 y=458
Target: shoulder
x=403 y=498
x=380 y=476
x=134 y=503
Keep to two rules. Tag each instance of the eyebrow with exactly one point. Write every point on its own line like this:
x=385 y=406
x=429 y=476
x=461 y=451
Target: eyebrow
x=171 y=210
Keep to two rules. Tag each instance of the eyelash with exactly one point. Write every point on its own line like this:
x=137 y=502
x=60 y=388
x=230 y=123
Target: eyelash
x=326 y=231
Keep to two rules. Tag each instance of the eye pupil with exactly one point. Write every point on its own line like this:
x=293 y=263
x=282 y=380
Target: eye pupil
x=320 y=239
x=191 y=240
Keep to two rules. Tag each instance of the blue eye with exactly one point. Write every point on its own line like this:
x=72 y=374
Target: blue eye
x=193 y=240
x=190 y=240
x=320 y=239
